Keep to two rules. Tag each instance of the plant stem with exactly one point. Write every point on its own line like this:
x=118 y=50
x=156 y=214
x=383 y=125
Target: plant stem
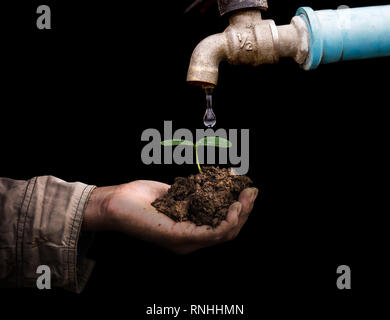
x=197 y=158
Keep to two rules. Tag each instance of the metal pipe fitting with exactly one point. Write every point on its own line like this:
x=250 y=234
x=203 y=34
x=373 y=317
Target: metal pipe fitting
x=226 y=6
x=248 y=40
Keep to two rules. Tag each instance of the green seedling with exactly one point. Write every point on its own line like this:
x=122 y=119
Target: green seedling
x=206 y=141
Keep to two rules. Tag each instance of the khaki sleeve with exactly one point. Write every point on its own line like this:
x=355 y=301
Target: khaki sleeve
x=40 y=222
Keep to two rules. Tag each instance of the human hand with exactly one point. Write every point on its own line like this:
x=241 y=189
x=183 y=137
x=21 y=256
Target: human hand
x=127 y=208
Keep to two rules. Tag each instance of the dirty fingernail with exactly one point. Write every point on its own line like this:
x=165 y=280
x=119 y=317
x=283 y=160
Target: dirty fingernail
x=237 y=207
x=254 y=193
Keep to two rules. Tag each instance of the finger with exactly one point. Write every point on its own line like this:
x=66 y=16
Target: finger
x=236 y=217
x=188 y=232
x=196 y=237
x=247 y=199
x=234 y=212
x=226 y=230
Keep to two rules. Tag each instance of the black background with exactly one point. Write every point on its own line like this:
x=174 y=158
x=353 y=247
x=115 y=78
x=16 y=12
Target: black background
x=75 y=100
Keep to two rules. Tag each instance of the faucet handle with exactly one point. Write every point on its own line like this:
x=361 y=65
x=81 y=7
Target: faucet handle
x=226 y=6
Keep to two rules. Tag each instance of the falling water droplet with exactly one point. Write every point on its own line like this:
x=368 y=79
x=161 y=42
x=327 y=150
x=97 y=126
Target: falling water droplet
x=209 y=118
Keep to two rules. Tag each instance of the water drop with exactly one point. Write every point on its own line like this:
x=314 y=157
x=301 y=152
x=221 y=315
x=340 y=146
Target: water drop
x=209 y=118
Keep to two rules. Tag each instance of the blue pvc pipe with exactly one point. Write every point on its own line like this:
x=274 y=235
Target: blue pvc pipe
x=346 y=34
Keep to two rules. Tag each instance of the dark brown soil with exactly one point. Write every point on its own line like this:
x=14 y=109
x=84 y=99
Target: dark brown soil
x=203 y=199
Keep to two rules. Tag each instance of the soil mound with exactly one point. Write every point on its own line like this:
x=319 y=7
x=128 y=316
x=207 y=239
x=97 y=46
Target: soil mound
x=203 y=199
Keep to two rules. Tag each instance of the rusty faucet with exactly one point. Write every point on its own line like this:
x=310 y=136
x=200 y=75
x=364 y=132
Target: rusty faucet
x=248 y=40
x=312 y=38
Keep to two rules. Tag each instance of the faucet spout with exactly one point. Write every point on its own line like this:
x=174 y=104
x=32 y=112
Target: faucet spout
x=204 y=64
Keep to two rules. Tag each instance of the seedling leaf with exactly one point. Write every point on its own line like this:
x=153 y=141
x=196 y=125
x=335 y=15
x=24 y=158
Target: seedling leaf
x=206 y=141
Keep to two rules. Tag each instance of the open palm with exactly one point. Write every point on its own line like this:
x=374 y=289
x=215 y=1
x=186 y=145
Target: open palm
x=128 y=209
